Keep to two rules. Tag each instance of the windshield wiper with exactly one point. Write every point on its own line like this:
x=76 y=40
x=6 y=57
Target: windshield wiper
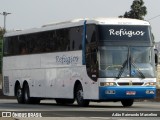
x=122 y=69
x=126 y=62
x=135 y=66
x=129 y=62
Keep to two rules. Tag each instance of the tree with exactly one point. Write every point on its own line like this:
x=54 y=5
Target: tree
x=138 y=10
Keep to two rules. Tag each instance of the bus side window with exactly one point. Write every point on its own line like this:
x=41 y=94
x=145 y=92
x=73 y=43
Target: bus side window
x=156 y=57
x=92 y=63
x=23 y=50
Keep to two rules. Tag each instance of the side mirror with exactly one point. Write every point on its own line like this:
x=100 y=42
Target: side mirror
x=156 y=56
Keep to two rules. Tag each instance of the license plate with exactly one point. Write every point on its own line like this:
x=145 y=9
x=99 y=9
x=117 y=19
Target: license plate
x=130 y=92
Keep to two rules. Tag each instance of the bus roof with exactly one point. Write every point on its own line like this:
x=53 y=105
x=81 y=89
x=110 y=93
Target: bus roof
x=79 y=22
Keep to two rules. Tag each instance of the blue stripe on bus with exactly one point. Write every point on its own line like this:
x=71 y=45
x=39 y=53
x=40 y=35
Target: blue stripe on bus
x=84 y=44
x=120 y=92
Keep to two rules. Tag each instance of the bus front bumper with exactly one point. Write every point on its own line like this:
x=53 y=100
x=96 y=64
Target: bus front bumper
x=127 y=92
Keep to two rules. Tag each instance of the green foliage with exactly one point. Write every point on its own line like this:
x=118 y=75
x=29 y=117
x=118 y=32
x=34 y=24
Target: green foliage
x=138 y=10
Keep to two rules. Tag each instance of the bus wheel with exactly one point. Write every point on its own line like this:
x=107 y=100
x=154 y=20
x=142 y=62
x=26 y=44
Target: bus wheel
x=79 y=97
x=127 y=103
x=27 y=98
x=19 y=94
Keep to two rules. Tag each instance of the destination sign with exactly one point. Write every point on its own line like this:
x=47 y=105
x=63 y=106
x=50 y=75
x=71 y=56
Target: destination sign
x=123 y=32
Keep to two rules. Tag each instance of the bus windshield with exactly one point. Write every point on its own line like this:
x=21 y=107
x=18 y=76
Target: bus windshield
x=122 y=61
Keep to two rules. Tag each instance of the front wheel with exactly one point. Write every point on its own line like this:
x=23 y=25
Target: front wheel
x=79 y=97
x=127 y=103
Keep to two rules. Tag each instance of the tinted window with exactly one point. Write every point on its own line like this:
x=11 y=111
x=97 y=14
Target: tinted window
x=75 y=36
x=49 y=41
x=62 y=40
x=91 y=33
x=11 y=46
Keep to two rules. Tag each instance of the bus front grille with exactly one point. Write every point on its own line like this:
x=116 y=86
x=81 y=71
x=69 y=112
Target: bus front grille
x=130 y=83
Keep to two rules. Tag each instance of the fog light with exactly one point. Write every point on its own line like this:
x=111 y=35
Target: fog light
x=149 y=91
x=110 y=92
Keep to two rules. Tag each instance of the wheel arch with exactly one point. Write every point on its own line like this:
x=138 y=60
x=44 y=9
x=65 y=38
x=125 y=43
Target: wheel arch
x=24 y=83
x=17 y=83
x=78 y=82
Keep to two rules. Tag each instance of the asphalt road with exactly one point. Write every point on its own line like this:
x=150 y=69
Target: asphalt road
x=49 y=110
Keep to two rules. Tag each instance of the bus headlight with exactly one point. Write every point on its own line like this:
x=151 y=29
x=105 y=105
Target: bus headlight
x=150 y=84
x=108 y=84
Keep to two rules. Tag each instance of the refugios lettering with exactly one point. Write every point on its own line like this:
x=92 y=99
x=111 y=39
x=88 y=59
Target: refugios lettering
x=124 y=32
x=67 y=60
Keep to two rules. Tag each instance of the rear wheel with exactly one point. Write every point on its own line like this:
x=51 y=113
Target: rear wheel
x=127 y=103
x=19 y=94
x=79 y=97
x=27 y=98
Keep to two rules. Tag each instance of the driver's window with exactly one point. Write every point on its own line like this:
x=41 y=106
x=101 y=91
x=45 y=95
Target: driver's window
x=92 y=63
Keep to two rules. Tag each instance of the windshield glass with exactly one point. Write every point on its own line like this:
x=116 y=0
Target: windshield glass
x=116 y=61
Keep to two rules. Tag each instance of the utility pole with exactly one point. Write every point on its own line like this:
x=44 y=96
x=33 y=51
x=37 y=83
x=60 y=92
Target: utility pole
x=5 y=14
x=1 y=41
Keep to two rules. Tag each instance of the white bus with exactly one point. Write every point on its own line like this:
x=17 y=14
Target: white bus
x=103 y=59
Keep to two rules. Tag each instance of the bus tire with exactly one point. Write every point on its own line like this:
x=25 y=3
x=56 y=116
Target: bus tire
x=19 y=94
x=79 y=97
x=27 y=98
x=127 y=103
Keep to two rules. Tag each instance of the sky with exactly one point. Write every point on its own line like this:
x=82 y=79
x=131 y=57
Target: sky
x=26 y=14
